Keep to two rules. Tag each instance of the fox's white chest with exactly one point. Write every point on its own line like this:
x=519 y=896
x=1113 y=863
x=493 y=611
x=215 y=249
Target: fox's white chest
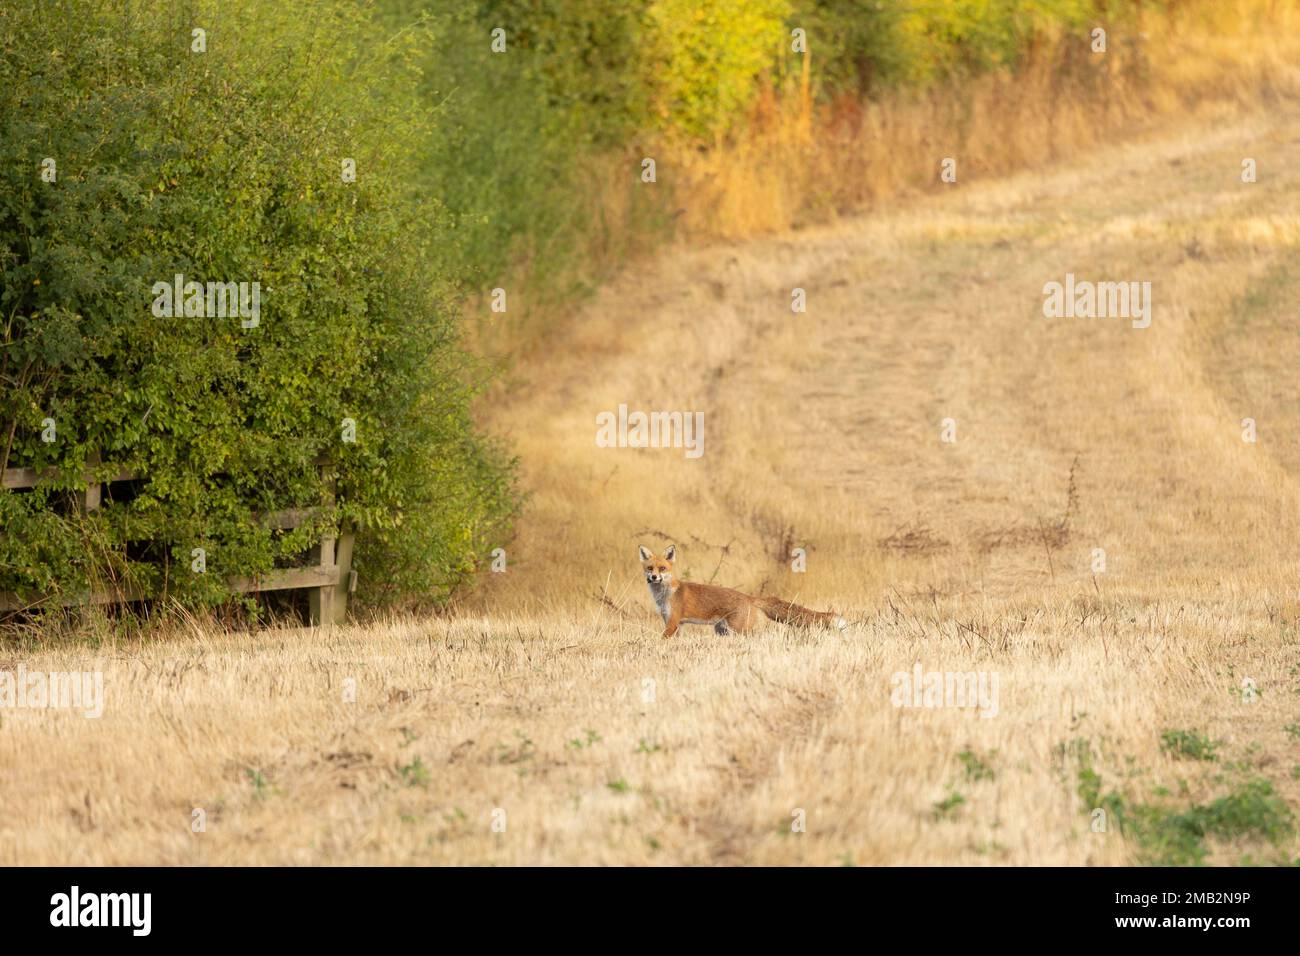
x=662 y=598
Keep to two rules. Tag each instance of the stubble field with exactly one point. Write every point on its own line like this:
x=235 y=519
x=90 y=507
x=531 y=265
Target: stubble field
x=546 y=721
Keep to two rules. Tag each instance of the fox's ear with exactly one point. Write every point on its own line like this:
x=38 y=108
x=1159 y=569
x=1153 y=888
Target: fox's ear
x=671 y=552
x=645 y=553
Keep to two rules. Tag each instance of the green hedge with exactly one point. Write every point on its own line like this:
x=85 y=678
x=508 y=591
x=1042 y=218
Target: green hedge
x=225 y=166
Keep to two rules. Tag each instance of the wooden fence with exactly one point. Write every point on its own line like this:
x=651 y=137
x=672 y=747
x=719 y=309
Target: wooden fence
x=329 y=577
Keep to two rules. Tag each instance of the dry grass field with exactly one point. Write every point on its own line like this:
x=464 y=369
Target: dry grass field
x=546 y=721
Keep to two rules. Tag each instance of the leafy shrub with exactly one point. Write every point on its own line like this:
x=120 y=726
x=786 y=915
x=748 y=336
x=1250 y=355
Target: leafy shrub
x=861 y=46
x=515 y=131
x=1189 y=744
x=708 y=59
x=225 y=166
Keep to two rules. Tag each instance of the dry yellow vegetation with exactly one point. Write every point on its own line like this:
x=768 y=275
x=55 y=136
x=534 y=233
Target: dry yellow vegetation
x=545 y=721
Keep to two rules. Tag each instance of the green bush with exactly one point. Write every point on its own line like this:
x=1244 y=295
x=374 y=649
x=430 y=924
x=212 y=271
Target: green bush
x=862 y=46
x=709 y=59
x=513 y=130
x=225 y=166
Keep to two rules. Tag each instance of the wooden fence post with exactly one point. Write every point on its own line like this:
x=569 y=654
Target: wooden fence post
x=94 y=495
x=344 y=562
x=322 y=599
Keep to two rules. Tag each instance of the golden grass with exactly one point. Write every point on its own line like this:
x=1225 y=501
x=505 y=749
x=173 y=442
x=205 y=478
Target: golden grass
x=548 y=719
x=822 y=432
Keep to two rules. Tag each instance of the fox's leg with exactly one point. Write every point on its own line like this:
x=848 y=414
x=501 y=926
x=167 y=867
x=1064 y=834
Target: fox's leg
x=721 y=628
x=674 y=621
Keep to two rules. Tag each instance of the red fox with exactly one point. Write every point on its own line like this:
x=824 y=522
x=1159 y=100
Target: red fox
x=684 y=602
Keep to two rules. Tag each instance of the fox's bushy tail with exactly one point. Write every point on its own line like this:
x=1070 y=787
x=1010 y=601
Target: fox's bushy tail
x=787 y=612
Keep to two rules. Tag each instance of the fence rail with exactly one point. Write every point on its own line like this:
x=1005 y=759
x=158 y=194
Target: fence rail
x=329 y=579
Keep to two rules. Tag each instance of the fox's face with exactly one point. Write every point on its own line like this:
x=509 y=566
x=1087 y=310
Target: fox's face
x=658 y=571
